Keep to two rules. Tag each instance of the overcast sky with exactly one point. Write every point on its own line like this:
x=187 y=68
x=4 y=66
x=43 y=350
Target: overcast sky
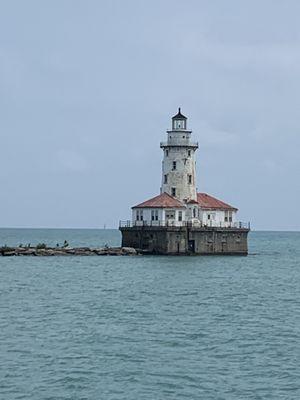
x=87 y=90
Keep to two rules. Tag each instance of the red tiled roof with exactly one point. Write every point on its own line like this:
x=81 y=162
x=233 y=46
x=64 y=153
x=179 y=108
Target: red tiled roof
x=163 y=200
x=192 y=202
x=209 y=202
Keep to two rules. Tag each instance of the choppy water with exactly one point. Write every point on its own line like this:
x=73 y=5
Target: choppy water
x=150 y=327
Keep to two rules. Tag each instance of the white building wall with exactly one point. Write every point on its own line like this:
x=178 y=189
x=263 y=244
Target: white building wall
x=180 y=150
x=162 y=213
x=205 y=217
x=216 y=218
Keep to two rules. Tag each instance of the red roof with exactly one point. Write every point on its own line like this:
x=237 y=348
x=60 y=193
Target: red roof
x=164 y=200
x=211 y=203
x=192 y=202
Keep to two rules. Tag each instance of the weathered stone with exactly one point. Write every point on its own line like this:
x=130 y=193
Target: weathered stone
x=60 y=251
x=100 y=252
x=129 y=251
x=8 y=253
x=27 y=252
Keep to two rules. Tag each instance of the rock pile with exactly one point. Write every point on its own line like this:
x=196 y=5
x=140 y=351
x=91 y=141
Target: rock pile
x=68 y=251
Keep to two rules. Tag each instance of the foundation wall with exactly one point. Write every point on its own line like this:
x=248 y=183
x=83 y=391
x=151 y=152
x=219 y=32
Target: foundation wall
x=186 y=240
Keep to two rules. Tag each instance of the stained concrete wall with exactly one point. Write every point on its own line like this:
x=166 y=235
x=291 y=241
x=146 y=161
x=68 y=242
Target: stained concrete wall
x=183 y=240
x=220 y=241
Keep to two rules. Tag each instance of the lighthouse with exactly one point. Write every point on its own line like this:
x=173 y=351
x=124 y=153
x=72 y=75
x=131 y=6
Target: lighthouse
x=179 y=166
x=181 y=220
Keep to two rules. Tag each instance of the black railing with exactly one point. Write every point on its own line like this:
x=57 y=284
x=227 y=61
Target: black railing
x=191 y=224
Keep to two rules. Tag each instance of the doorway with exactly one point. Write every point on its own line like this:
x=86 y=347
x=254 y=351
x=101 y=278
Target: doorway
x=191 y=246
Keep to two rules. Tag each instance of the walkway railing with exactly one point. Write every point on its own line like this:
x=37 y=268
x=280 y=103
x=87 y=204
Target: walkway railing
x=191 y=224
x=179 y=143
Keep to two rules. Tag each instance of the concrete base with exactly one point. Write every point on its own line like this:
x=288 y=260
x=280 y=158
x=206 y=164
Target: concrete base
x=186 y=240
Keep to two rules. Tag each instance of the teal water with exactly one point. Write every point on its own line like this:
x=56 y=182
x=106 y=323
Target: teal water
x=150 y=327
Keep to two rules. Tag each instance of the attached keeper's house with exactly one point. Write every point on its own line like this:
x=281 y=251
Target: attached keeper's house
x=167 y=210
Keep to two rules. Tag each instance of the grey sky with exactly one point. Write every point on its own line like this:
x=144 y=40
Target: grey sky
x=87 y=90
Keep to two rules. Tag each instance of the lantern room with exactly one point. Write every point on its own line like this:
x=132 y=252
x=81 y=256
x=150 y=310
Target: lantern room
x=179 y=121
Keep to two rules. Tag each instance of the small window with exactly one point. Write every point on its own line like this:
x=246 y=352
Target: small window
x=141 y=215
x=179 y=215
x=183 y=137
x=174 y=165
x=194 y=212
x=228 y=216
x=156 y=215
x=190 y=179
x=189 y=153
x=208 y=216
x=173 y=191
x=137 y=215
x=166 y=179
x=167 y=153
x=152 y=215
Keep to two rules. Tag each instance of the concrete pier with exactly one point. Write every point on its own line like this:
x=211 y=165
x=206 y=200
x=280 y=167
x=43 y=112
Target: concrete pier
x=186 y=240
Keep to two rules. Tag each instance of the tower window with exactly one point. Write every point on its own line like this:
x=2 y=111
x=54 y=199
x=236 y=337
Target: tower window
x=166 y=179
x=189 y=153
x=190 y=179
x=167 y=153
x=179 y=215
x=173 y=191
x=174 y=165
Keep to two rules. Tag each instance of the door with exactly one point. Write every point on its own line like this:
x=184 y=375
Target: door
x=170 y=216
x=192 y=246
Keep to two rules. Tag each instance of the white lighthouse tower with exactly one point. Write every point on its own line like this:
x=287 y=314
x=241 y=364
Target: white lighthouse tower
x=178 y=166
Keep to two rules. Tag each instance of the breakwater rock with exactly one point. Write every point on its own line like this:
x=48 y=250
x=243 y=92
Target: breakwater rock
x=67 y=251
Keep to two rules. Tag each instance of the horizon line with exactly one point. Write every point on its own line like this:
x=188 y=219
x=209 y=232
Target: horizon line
x=116 y=228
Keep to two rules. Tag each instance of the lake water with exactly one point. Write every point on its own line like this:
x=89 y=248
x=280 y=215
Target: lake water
x=149 y=327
